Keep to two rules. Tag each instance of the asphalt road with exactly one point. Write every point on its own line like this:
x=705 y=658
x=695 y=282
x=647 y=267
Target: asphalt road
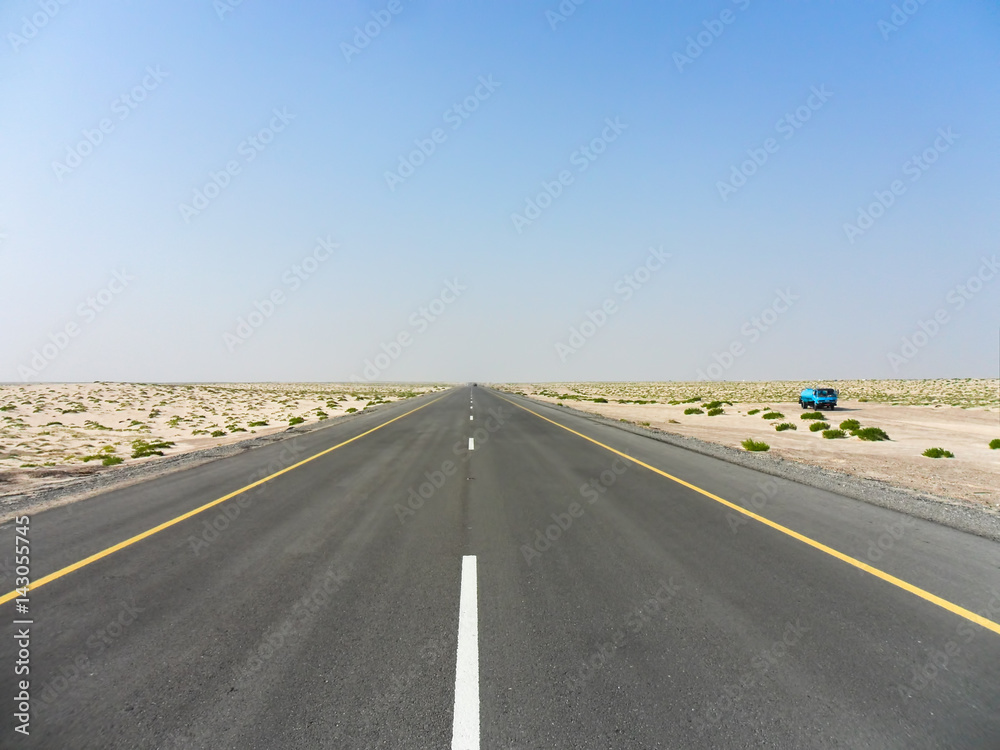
x=576 y=597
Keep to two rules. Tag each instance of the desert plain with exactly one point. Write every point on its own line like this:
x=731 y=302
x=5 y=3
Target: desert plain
x=52 y=433
x=961 y=416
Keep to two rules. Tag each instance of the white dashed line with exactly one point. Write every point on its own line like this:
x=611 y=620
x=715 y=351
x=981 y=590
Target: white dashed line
x=470 y=417
x=465 y=731
x=472 y=444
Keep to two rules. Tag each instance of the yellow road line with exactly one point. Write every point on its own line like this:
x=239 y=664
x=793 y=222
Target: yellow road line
x=167 y=524
x=916 y=590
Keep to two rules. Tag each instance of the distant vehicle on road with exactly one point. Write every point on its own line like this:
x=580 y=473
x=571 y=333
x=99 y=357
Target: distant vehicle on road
x=818 y=398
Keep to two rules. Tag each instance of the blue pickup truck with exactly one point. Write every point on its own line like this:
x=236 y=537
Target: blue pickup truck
x=818 y=398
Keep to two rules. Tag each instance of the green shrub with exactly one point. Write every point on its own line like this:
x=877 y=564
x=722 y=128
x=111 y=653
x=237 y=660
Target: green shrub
x=693 y=410
x=817 y=426
x=716 y=411
x=296 y=420
x=850 y=424
x=870 y=433
x=218 y=433
x=351 y=410
x=773 y=415
x=938 y=453
x=863 y=400
x=834 y=434
x=112 y=460
x=90 y=424
x=600 y=400
x=995 y=444
x=785 y=426
x=753 y=445
x=692 y=400
x=261 y=423
x=712 y=405
x=813 y=415
x=644 y=424
x=753 y=411
x=141 y=448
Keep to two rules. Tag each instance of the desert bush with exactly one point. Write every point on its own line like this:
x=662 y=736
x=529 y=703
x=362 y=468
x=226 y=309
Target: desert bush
x=218 y=433
x=785 y=426
x=351 y=410
x=712 y=405
x=850 y=424
x=112 y=460
x=260 y=423
x=773 y=415
x=753 y=411
x=755 y=445
x=600 y=400
x=834 y=434
x=142 y=448
x=870 y=433
x=715 y=411
x=813 y=415
x=817 y=426
x=693 y=410
x=296 y=420
x=938 y=453
x=995 y=444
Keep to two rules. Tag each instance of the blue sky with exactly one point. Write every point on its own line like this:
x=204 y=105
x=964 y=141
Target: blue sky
x=763 y=280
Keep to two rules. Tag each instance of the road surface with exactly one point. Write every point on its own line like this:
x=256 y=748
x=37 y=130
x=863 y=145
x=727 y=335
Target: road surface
x=474 y=569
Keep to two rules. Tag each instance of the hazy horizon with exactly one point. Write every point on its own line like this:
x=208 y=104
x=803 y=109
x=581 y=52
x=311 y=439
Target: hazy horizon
x=548 y=192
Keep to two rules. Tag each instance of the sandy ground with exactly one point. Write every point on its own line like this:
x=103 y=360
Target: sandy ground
x=973 y=474
x=48 y=430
